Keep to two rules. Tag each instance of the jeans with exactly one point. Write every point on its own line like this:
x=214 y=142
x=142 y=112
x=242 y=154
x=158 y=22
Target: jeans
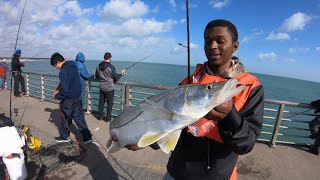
x=71 y=109
x=102 y=98
x=18 y=78
x=2 y=82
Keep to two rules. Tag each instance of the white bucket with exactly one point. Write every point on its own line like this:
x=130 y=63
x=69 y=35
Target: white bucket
x=16 y=167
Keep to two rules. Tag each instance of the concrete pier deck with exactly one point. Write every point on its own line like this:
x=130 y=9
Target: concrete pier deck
x=281 y=162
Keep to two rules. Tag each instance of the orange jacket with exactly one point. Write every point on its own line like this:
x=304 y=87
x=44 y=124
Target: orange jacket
x=239 y=100
x=233 y=135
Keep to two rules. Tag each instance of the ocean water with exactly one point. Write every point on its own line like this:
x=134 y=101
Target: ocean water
x=275 y=87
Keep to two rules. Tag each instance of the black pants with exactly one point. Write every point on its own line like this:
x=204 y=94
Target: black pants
x=102 y=98
x=71 y=109
x=314 y=126
x=18 y=78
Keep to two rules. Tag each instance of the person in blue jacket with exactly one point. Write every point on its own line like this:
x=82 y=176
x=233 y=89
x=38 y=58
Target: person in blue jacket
x=83 y=72
x=69 y=94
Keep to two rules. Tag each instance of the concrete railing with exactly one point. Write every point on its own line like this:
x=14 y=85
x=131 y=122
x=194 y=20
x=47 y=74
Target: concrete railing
x=284 y=122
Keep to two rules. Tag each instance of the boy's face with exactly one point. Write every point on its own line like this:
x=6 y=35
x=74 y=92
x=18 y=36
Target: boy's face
x=219 y=47
x=58 y=65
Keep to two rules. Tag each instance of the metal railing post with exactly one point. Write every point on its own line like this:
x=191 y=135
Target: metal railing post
x=42 y=88
x=88 y=96
x=272 y=143
x=123 y=96
x=127 y=95
x=27 y=83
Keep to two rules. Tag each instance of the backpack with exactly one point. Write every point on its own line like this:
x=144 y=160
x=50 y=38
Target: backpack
x=3 y=71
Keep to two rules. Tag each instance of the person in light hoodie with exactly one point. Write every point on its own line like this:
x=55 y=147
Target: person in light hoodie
x=84 y=74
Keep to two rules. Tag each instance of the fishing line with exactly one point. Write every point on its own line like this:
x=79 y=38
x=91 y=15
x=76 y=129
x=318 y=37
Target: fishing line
x=15 y=48
x=298 y=114
x=139 y=61
x=36 y=55
x=23 y=113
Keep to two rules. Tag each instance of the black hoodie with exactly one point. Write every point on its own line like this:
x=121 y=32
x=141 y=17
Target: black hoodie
x=107 y=75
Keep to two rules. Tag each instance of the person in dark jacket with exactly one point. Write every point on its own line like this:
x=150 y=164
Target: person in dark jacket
x=107 y=75
x=237 y=122
x=69 y=92
x=83 y=72
x=17 y=76
x=314 y=127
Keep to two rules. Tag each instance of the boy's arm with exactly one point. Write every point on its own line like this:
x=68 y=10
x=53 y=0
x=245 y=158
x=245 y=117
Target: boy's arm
x=240 y=130
x=64 y=86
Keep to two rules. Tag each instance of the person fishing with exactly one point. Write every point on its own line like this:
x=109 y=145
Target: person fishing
x=230 y=129
x=314 y=127
x=107 y=76
x=17 y=76
x=69 y=92
x=83 y=72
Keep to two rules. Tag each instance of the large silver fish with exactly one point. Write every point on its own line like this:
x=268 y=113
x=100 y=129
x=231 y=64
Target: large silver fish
x=162 y=117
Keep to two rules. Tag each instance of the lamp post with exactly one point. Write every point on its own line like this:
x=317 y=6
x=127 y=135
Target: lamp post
x=187 y=7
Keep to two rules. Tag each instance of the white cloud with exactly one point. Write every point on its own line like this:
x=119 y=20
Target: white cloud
x=125 y=9
x=296 y=22
x=173 y=3
x=66 y=27
x=298 y=50
x=278 y=36
x=271 y=56
x=318 y=49
x=73 y=8
x=140 y=27
x=255 y=34
x=218 y=4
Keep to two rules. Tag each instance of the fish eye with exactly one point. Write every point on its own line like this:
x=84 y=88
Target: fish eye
x=209 y=87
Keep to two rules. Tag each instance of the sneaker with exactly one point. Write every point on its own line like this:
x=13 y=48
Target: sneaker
x=88 y=141
x=61 y=140
x=24 y=93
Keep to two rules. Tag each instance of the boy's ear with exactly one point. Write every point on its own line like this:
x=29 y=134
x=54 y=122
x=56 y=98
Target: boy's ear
x=235 y=46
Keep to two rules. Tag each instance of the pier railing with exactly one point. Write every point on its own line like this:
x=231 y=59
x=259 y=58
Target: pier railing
x=284 y=122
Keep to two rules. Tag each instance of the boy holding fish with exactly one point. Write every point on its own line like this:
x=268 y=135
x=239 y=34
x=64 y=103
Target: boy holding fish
x=209 y=148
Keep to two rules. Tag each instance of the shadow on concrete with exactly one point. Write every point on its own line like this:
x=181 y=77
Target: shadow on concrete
x=96 y=162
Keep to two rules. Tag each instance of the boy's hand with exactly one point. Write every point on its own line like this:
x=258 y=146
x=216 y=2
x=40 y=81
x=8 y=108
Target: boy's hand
x=54 y=94
x=221 y=111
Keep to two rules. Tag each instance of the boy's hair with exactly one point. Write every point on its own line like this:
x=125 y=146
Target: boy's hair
x=223 y=23
x=55 y=58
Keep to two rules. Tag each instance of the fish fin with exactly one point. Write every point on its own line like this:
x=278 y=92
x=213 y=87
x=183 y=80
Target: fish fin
x=149 y=138
x=169 y=142
x=115 y=146
x=230 y=90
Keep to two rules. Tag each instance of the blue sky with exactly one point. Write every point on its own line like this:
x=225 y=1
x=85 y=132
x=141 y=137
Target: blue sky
x=276 y=37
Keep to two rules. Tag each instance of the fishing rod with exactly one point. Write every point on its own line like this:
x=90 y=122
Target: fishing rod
x=36 y=55
x=15 y=48
x=138 y=62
